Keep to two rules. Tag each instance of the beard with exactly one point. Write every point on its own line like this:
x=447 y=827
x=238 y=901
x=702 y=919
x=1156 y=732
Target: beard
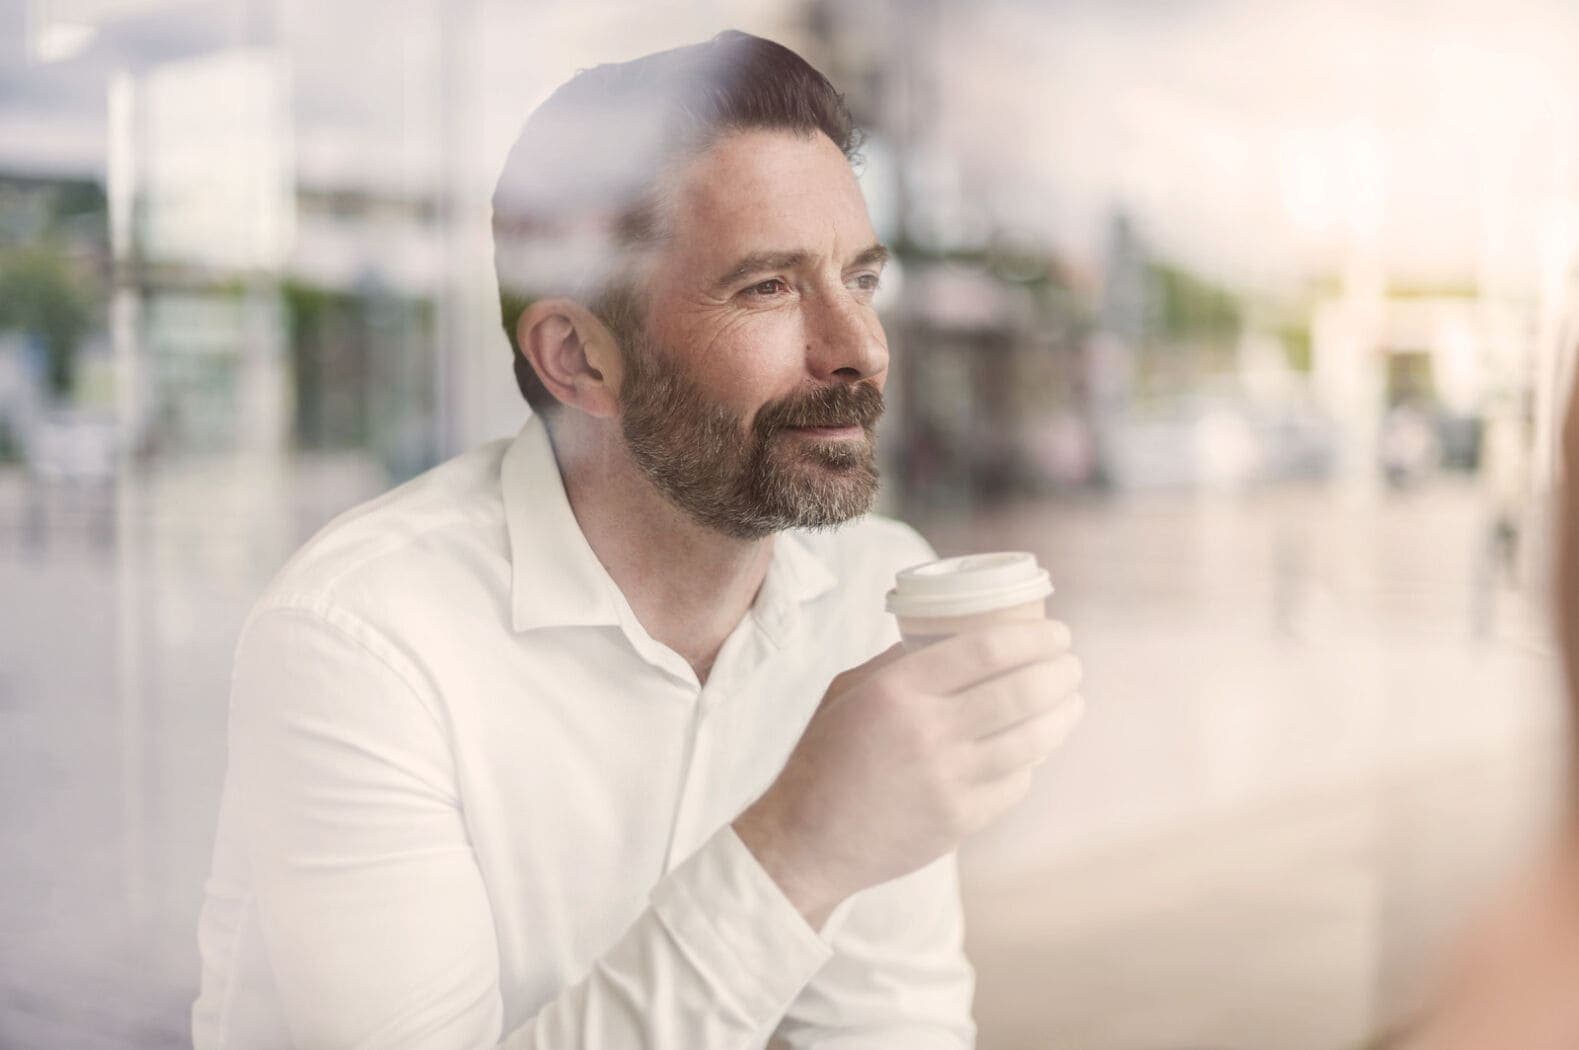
x=748 y=481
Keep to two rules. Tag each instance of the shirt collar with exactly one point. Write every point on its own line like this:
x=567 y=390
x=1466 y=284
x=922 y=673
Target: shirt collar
x=557 y=579
x=795 y=576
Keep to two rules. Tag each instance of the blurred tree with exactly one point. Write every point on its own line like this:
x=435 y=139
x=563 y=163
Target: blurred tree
x=329 y=348
x=1190 y=307
x=41 y=295
x=1295 y=336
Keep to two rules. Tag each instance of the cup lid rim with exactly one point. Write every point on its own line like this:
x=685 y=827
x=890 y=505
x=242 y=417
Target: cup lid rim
x=968 y=584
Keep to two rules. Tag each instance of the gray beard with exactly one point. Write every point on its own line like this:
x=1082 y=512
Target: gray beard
x=748 y=483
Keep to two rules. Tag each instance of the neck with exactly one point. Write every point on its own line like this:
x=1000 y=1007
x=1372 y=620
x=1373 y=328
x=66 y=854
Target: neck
x=688 y=585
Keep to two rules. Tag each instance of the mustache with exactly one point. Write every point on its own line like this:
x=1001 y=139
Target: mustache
x=859 y=404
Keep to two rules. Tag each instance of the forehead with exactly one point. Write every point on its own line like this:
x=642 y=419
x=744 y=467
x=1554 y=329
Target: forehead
x=766 y=190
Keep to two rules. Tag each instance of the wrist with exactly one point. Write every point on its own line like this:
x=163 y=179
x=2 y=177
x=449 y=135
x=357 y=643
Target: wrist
x=787 y=864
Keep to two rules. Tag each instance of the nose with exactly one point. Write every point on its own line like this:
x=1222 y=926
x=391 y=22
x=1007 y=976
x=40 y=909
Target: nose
x=844 y=341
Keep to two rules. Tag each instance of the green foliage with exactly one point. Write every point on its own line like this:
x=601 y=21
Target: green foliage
x=10 y=443
x=40 y=294
x=77 y=197
x=1296 y=346
x=1188 y=307
x=53 y=235
x=1444 y=290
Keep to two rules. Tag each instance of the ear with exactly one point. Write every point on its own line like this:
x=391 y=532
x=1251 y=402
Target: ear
x=573 y=353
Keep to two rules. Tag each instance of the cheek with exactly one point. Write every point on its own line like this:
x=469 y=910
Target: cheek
x=753 y=352
x=781 y=331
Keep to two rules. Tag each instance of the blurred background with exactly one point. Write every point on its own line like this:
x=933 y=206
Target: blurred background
x=1249 y=318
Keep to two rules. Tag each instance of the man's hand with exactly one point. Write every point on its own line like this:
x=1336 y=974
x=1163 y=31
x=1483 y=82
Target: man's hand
x=908 y=754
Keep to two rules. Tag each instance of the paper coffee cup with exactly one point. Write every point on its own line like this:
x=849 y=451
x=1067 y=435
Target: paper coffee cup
x=942 y=598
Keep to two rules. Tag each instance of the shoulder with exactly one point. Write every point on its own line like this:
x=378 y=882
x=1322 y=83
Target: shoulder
x=422 y=541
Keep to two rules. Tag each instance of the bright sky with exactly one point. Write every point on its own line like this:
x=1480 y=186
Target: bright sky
x=1260 y=139
x=1268 y=138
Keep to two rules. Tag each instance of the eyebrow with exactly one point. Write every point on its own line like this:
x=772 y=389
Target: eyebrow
x=757 y=262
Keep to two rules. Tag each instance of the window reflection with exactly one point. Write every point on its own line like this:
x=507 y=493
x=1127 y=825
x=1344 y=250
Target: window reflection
x=1252 y=327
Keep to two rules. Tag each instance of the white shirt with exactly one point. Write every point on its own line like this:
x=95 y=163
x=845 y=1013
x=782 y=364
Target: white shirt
x=471 y=802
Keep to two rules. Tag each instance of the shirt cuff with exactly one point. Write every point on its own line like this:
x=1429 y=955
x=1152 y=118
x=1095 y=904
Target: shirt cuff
x=737 y=926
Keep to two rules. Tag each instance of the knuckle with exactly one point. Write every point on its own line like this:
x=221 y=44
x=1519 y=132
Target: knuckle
x=987 y=649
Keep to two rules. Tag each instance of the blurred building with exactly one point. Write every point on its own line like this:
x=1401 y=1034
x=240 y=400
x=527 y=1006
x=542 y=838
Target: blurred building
x=1420 y=381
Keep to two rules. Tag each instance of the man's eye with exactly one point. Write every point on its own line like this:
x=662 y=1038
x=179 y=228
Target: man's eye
x=868 y=282
x=768 y=289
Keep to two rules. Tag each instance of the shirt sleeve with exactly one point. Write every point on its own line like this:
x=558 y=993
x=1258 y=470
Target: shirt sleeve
x=374 y=916
x=898 y=976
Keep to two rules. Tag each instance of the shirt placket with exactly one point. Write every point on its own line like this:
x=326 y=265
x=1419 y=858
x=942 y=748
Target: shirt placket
x=691 y=808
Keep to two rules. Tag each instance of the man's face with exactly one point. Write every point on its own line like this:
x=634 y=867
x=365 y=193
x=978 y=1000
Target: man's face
x=752 y=397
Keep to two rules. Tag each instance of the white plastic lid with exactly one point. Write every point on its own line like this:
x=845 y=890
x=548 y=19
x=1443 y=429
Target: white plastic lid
x=970 y=584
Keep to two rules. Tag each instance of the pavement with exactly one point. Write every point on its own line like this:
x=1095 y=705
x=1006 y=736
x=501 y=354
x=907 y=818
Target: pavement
x=1320 y=725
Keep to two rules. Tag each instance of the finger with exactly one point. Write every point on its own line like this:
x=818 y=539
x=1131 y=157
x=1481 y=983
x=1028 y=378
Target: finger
x=1003 y=793
x=994 y=705
x=1027 y=743
x=973 y=656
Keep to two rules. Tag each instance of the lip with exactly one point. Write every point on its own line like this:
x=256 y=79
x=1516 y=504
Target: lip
x=848 y=431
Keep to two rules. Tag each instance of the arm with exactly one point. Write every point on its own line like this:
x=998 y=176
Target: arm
x=375 y=918
x=906 y=755
x=898 y=977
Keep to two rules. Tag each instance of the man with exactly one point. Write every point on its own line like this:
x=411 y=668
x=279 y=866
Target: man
x=550 y=747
